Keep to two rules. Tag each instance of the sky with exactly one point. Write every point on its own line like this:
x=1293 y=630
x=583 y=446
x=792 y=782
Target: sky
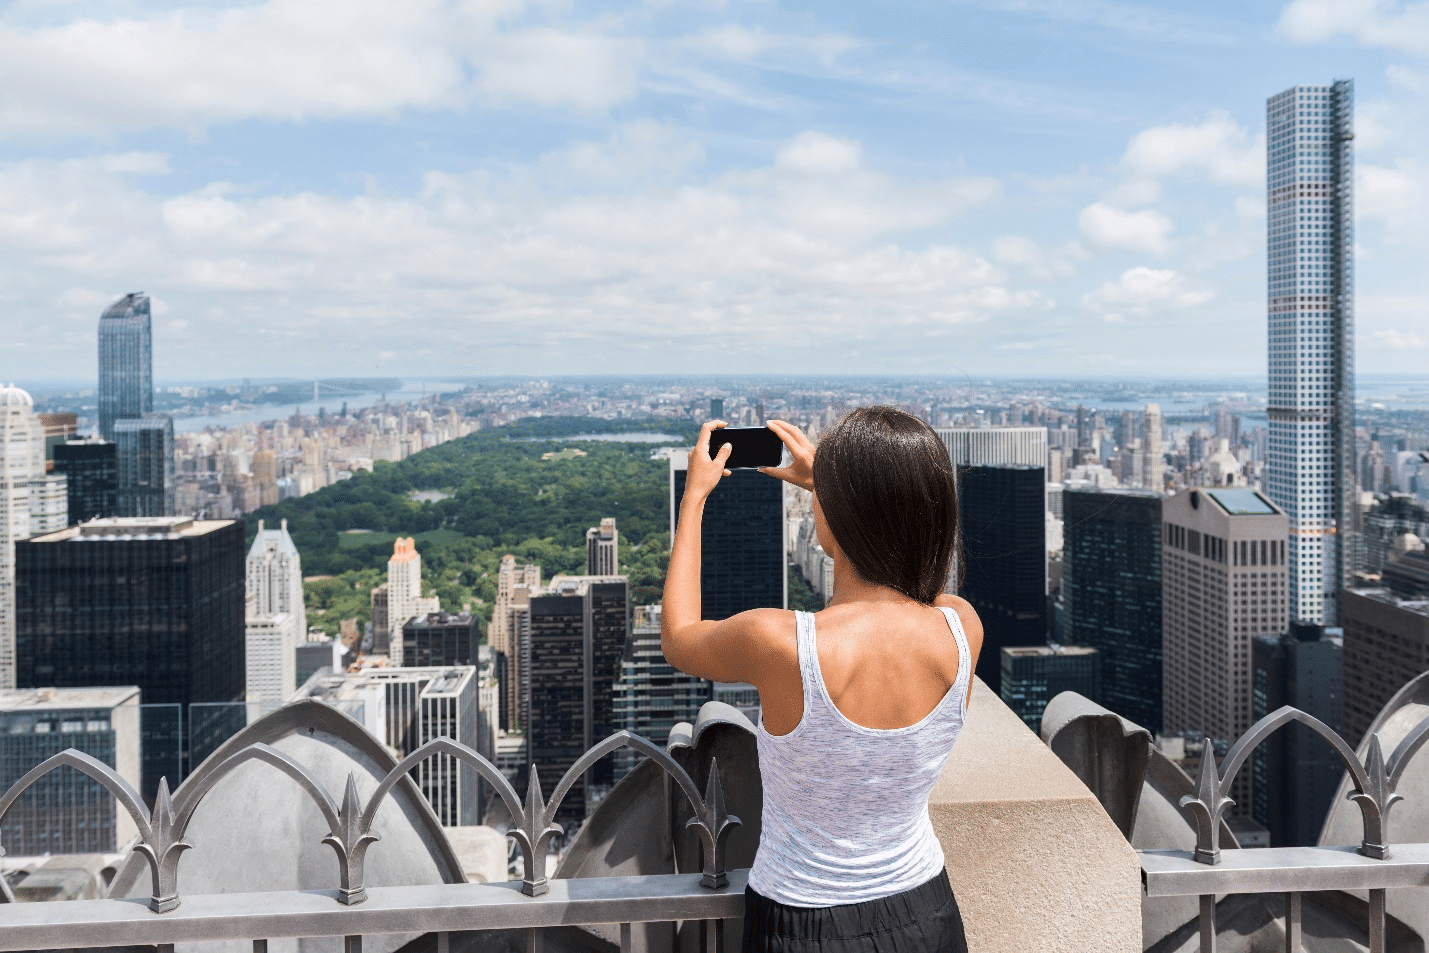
x=1060 y=188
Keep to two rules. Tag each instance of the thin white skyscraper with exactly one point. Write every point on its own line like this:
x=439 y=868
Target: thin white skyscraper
x=275 y=619
x=275 y=574
x=1153 y=462
x=404 y=593
x=19 y=452
x=1310 y=245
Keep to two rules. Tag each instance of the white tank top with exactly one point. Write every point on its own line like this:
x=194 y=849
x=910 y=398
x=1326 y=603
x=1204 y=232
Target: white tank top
x=846 y=807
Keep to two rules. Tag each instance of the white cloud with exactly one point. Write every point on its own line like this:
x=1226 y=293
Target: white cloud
x=1219 y=148
x=1144 y=290
x=756 y=261
x=1105 y=227
x=1390 y=24
x=300 y=59
x=1399 y=340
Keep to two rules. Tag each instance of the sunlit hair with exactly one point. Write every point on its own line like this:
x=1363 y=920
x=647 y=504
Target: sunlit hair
x=889 y=495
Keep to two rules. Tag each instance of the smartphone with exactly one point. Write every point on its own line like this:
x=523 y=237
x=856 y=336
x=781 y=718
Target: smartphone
x=753 y=447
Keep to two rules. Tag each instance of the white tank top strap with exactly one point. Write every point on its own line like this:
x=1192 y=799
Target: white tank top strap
x=808 y=658
x=964 y=676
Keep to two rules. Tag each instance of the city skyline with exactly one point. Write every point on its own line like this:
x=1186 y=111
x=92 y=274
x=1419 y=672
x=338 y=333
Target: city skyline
x=726 y=188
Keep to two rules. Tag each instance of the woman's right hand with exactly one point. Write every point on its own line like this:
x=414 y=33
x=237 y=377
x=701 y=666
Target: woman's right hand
x=800 y=470
x=703 y=470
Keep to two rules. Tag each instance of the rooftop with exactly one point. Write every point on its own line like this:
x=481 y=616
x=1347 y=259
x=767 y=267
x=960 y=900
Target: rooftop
x=134 y=527
x=55 y=699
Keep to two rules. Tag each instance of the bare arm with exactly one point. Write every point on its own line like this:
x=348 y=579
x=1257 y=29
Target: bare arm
x=736 y=649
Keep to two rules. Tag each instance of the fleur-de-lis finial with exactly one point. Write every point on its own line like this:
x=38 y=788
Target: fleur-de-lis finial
x=1207 y=806
x=713 y=823
x=534 y=834
x=350 y=841
x=162 y=849
x=1374 y=802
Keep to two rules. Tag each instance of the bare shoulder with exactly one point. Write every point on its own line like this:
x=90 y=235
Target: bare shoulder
x=769 y=629
x=967 y=615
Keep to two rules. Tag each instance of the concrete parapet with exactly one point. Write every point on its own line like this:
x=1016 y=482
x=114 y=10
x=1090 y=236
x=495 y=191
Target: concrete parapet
x=1035 y=862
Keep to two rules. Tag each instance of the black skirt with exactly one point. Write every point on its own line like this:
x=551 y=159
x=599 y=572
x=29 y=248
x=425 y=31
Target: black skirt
x=921 y=920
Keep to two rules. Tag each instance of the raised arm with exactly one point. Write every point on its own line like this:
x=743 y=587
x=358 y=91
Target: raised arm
x=729 y=651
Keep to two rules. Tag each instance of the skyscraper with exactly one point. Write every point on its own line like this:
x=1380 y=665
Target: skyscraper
x=602 y=549
x=651 y=695
x=578 y=629
x=743 y=562
x=22 y=460
x=1154 y=465
x=1296 y=771
x=1310 y=471
x=156 y=603
x=275 y=619
x=1111 y=591
x=67 y=812
x=440 y=638
x=274 y=574
x=1386 y=645
x=126 y=362
x=145 y=450
x=91 y=469
x=1032 y=675
x=975 y=446
x=510 y=632
x=404 y=593
x=1223 y=584
x=1004 y=566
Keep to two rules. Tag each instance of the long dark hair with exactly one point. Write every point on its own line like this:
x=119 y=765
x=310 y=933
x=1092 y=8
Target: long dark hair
x=890 y=497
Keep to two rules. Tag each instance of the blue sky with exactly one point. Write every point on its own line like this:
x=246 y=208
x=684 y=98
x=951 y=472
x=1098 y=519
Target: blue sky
x=1000 y=187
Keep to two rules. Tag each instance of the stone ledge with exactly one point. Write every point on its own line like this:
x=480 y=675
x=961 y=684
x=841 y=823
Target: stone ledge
x=1035 y=862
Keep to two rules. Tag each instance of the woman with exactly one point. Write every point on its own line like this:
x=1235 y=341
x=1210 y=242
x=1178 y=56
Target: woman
x=861 y=703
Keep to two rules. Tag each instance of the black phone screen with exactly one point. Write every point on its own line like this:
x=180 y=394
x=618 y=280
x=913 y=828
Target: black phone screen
x=753 y=447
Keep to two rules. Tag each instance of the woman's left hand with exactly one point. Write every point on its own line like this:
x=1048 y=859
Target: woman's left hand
x=704 y=473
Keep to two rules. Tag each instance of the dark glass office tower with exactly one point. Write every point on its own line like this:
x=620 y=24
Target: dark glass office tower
x=1296 y=771
x=1111 y=591
x=742 y=546
x=156 y=603
x=578 y=629
x=1004 y=565
x=146 y=465
x=1033 y=675
x=126 y=362
x=91 y=469
x=440 y=638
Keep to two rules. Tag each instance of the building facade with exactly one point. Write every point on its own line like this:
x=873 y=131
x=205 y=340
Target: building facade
x=145 y=454
x=404 y=594
x=1295 y=771
x=22 y=462
x=126 y=362
x=975 y=446
x=1311 y=467
x=91 y=470
x=578 y=629
x=1032 y=675
x=1223 y=571
x=440 y=638
x=1386 y=645
x=273 y=575
x=1004 y=564
x=157 y=603
x=1111 y=594
x=651 y=695
x=404 y=708
x=742 y=546
x=66 y=812
x=602 y=549
x=270 y=660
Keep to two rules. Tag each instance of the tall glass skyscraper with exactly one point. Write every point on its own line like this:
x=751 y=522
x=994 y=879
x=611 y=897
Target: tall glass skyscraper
x=126 y=362
x=1310 y=245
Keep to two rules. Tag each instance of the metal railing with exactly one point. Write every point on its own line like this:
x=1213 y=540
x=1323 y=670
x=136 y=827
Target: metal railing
x=354 y=910
x=1372 y=866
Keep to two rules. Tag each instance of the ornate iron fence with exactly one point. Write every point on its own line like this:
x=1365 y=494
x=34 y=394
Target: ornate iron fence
x=353 y=910
x=1373 y=866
